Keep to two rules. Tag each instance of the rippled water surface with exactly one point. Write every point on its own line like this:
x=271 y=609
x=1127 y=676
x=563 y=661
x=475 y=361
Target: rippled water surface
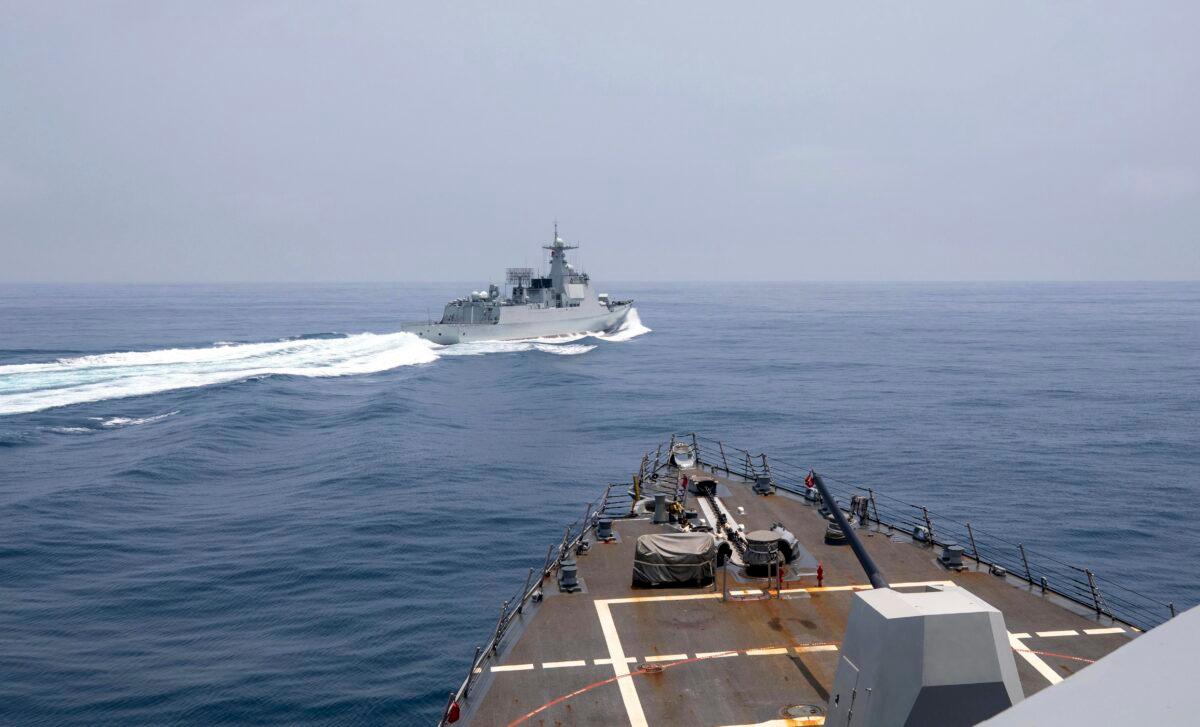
x=263 y=504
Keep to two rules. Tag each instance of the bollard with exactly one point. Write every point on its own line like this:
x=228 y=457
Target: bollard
x=660 y=509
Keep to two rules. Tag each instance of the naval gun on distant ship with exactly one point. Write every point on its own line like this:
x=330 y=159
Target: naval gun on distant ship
x=559 y=304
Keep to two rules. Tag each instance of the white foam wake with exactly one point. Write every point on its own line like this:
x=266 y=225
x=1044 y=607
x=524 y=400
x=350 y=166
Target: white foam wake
x=33 y=387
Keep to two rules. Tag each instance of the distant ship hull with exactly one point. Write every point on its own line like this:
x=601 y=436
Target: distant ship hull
x=523 y=323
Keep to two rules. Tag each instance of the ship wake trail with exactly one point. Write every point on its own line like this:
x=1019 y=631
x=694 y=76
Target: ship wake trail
x=31 y=387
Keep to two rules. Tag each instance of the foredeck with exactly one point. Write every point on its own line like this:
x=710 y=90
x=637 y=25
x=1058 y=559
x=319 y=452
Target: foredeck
x=744 y=653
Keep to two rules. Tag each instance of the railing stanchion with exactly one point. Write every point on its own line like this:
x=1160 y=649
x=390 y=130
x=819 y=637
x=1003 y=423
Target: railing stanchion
x=1028 y=573
x=873 y=507
x=974 y=550
x=929 y=525
x=1095 y=592
x=1171 y=606
x=525 y=591
x=724 y=462
x=471 y=672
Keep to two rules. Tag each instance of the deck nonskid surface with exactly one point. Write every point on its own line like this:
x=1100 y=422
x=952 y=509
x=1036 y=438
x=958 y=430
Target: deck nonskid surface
x=741 y=660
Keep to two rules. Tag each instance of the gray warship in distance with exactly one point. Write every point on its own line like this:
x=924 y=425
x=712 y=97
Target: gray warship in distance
x=560 y=304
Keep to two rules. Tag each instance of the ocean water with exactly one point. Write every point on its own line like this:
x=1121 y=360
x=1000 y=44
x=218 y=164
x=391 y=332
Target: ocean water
x=263 y=504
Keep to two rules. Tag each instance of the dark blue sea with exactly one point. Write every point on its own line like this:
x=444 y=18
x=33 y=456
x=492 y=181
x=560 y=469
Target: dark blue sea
x=260 y=504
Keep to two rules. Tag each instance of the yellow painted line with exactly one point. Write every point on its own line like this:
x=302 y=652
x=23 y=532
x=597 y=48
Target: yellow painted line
x=1021 y=635
x=746 y=592
x=605 y=662
x=1065 y=632
x=561 y=664
x=1034 y=660
x=513 y=667
x=789 y=722
x=715 y=654
x=866 y=587
x=817 y=647
x=647 y=599
x=629 y=695
x=666 y=657
x=766 y=652
x=1113 y=630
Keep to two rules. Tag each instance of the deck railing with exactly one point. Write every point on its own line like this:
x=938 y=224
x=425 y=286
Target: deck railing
x=614 y=503
x=1041 y=571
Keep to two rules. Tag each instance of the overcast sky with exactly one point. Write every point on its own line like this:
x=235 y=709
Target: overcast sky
x=230 y=141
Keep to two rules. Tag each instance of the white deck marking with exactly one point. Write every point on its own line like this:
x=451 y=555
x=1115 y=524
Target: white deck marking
x=647 y=599
x=817 y=647
x=1113 y=630
x=666 y=657
x=1065 y=632
x=767 y=652
x=1021 y=635
x=513 y=667
x=715 y=654
x=561 y=664
x=629 y=695
x=746 y=592
x=1034 y=660
x=606 y=662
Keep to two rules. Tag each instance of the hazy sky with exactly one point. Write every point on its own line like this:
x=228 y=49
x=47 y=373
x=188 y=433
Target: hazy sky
x=207 y=141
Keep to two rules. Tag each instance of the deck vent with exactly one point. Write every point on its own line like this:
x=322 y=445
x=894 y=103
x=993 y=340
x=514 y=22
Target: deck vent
x=763 y=485
x=660 y=509
x=568 y=569
x=604 y=531
x=952 y=556
x=999 y=571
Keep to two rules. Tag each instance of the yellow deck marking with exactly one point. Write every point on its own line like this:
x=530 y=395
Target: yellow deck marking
x=666 y=657
x=817 y=647
x=746 y=592
x=715 y=654
x=865 y=587
x=1065 y=632
x=1113 y=630
x=1034 y=660
x=766 y=652
x=629 y=695
x=561 y=664
x=647 y=599
x=789 y=722
x=513 y=667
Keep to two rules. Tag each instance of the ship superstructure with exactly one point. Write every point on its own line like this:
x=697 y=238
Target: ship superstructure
x=561 y=303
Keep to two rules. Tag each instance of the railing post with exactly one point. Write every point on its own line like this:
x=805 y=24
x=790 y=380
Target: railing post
x=657 y=457
x=525 y=591
x=1171 y=606
x=766 y=466
x=546 y=567
x=929 y=525
x=471 y=672
x=1028 y=574
x=873 y=507
x=446 y=709
x=724 y=461
x=971 y=536
x=499 y=627
x=1099 y=602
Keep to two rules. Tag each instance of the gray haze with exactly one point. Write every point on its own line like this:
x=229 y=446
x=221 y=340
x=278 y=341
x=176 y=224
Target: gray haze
x=211 y=141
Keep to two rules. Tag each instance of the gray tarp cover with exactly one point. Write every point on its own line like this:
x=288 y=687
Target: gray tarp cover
x=674 y=558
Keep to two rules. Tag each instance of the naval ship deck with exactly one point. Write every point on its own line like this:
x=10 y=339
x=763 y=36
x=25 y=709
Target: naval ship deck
x=737 y=652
